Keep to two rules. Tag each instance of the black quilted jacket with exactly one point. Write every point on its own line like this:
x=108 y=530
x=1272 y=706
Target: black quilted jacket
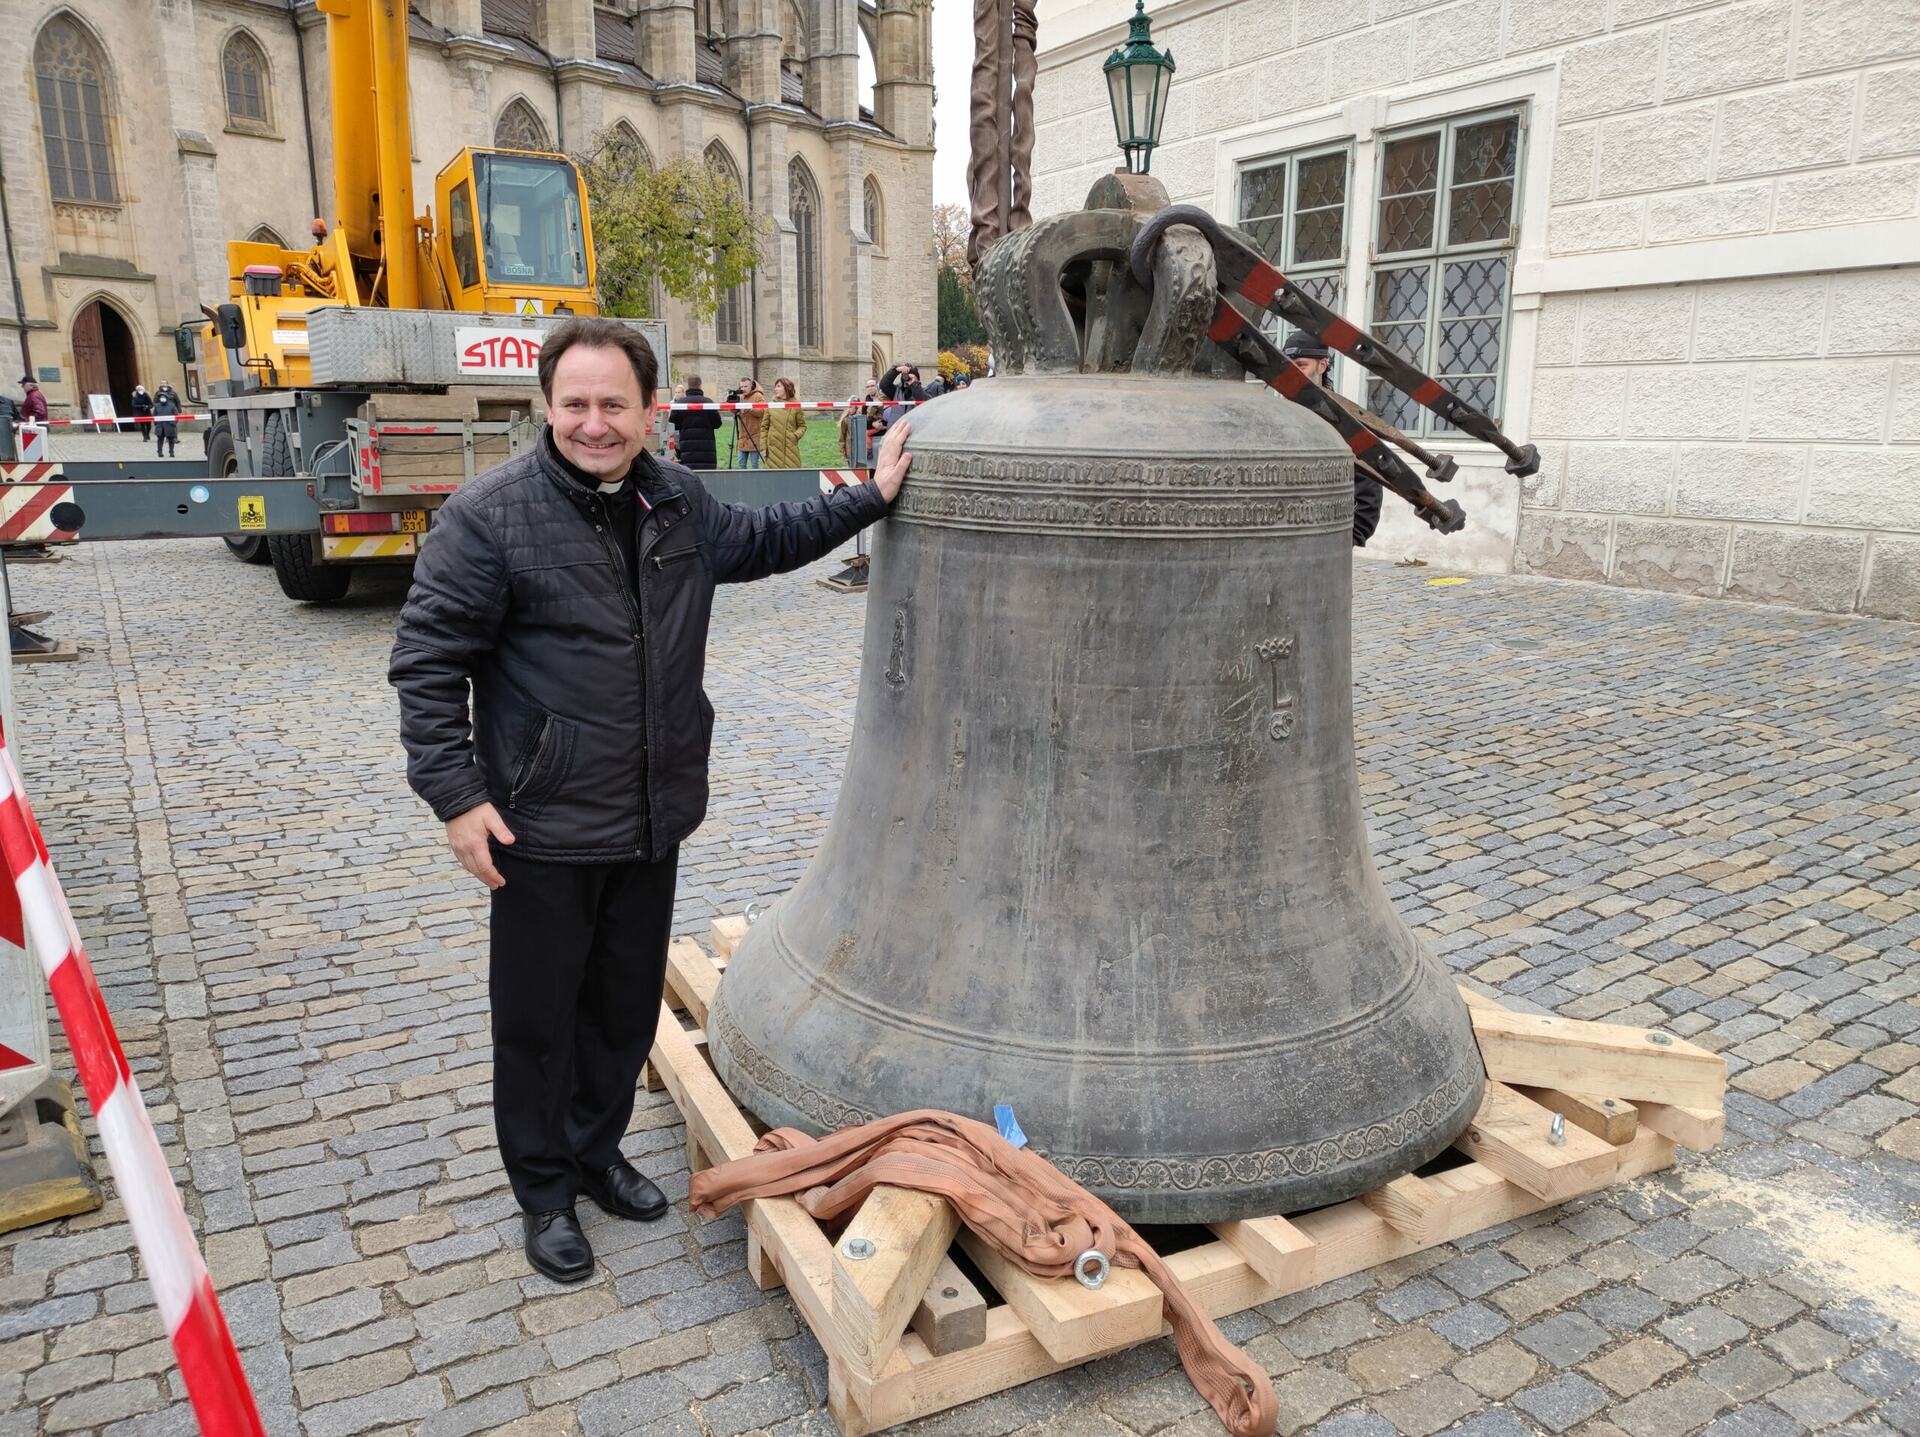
x=589 y=730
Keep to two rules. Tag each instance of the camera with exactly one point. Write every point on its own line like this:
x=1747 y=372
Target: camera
x=733 y=395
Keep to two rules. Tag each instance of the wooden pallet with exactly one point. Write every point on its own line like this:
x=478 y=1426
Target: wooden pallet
x=907 y=1333
x=64 y=651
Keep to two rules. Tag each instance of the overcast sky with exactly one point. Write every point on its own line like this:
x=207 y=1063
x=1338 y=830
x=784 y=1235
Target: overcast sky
x=952 y=64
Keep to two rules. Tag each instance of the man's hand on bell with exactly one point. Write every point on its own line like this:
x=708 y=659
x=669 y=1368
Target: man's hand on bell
x=467 y=835
x=891 y=467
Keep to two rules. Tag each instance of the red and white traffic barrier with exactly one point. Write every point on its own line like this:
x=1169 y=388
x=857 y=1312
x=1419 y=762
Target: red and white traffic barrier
x=33 y=903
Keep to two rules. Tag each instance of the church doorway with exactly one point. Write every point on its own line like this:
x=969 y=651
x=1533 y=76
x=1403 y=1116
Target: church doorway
x=103 y=357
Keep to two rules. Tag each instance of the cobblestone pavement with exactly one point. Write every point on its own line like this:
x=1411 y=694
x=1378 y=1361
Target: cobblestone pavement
x=1612 y=804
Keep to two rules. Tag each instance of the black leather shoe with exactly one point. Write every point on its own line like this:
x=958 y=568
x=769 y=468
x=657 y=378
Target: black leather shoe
x=556 y=1246
x=626 y=1193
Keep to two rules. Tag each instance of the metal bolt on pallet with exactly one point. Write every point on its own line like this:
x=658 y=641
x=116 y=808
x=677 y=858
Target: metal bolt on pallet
x=858 y=1248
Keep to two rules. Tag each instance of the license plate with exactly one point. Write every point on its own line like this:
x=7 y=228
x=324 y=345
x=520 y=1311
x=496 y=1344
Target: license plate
x=413 y=521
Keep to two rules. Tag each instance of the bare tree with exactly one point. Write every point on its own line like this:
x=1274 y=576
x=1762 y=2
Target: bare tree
x=951 y=225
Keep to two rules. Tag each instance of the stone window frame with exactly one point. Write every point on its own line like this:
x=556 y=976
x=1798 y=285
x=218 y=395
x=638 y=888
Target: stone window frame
x=873 y=213
x=729 y=316
x=261 y=125
x=521 y=111
x=104 y=165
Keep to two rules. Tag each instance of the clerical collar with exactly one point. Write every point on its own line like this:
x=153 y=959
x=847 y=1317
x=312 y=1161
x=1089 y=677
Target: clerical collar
x=585 y=480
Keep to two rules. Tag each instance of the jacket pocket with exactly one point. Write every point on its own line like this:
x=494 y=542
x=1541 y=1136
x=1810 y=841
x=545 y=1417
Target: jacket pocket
x=542 y=766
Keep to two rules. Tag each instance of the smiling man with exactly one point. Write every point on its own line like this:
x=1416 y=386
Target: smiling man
x=571 y=589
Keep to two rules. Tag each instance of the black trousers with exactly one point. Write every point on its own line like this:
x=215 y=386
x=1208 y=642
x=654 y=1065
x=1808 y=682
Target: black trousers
x=165 y=439
x=578 y=964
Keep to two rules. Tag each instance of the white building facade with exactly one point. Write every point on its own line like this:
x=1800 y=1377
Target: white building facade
x=1675 y=243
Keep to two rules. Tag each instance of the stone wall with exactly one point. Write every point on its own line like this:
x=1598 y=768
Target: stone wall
x=1712 y=335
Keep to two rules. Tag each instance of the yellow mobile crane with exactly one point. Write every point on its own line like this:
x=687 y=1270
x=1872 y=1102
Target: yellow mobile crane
x=394 y=359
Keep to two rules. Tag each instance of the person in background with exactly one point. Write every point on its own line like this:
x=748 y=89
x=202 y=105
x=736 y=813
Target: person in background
x=693 y=429
x=749 y=425
x=166 y=437
x=9 y=419
x=936 y=387
x=1312 y=358
x=855 y=447
x=142 y=410
x=783 y=428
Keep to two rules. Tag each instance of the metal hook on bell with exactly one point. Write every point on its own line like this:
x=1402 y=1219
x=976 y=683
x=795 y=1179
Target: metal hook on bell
x=1557 y=1130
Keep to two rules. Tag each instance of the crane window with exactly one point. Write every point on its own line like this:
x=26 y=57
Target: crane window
x=466 y=255
x=531 y=229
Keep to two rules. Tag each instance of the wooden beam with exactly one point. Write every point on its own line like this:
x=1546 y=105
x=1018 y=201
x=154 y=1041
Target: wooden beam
x=725 y=934
x=761 y=1268
x=787 y=1234
x=1408 y=1204
x=1511 y=1136
x=874 y=1297
x=953 y=1314
x=1695 y=1128
x=1271 y=1246
x=1346 y=1239
x=1542 y=1051
x=692 y=978
x=1612 y=1120
x=1071 y=1322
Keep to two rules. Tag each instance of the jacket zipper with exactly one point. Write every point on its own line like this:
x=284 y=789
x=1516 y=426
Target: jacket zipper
x=640 y=633
x=533 y=765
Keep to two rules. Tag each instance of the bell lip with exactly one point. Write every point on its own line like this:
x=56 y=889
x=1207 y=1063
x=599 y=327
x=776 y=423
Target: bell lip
x=1225 y=1202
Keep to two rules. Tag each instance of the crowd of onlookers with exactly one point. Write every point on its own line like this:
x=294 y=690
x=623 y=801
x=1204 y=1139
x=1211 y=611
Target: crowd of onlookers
x=770 y=438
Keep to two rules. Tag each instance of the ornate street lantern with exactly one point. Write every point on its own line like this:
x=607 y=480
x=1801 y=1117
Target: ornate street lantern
x=1138 y=77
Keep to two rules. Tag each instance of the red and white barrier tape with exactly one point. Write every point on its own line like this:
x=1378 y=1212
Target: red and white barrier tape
x=216 y=1382
x=679 y=406
x=114 y=423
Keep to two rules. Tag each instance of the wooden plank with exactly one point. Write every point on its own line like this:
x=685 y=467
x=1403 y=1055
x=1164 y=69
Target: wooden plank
x=952 y=1314
x=1346 y=1239
x=724 y=934
x=650 y=1076
x=1408 y=1205
x=874 y=1297
x=1543 y=1051
x=1511 y=1136
x=792 y=1239
x=1612 y=1120
x=692 y=978
x=1272 y=1247
x=1695 y=1128
x=1073 y=1322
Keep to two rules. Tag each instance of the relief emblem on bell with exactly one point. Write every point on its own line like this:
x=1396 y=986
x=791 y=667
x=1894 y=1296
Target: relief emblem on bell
x=1099 y=851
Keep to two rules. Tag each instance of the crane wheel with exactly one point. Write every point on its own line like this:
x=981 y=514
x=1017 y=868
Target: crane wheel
x=296 y=557
x=223 y=462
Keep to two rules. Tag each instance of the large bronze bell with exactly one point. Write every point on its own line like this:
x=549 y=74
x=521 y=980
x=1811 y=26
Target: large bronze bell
x=1099 y=851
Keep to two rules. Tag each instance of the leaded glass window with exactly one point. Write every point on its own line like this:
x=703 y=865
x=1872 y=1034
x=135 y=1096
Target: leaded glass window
x=803 y=208
x=1295 y=209
x=520 y=128
x=244 y=65
x=70 y=78
x=1445 y=229
x=873 y=216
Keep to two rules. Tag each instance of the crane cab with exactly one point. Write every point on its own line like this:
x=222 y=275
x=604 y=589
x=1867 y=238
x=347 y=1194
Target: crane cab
x=514 y=235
